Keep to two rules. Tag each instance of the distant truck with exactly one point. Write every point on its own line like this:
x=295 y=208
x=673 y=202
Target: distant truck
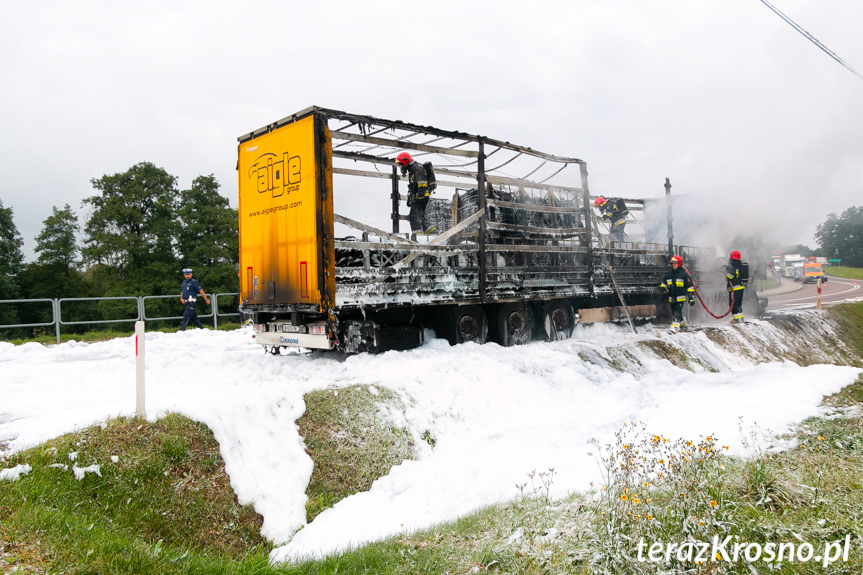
x=520 y=253
x=786 y=264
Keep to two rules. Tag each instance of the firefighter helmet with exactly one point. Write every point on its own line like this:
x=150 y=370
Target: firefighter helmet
x=735 y=255
x=676 y=259
x=404 y=159
x=599 y=201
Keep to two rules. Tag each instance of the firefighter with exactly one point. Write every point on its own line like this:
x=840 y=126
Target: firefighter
x=418 y=193
x=735 y=287
x=678 y=285
x=614 y=211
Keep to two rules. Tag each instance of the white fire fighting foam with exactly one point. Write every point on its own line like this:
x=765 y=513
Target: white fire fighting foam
x=496 y=413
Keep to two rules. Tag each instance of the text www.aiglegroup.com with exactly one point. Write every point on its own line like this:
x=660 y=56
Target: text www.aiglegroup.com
x=266 y=211
x=732 y=550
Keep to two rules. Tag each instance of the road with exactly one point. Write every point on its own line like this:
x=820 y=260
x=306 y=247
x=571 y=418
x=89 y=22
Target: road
x=836 y=290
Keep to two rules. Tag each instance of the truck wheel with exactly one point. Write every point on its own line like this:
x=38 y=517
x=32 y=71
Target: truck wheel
x=558 y=319
x=514 y=325
x=466 y=323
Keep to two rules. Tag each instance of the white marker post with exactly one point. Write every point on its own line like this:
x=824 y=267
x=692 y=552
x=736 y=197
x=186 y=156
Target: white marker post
x=139 y=370
x=818 y=289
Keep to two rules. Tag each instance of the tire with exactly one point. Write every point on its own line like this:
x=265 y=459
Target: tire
x=514 y=324
x=466 y=323
x=558 y=320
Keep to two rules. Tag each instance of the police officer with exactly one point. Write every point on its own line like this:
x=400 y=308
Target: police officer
x=188 y=296
x=418 y=193
x=735 y=287
x=678 y=285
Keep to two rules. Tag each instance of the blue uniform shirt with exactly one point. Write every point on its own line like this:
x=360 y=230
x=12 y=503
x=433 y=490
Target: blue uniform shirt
x=190 y=288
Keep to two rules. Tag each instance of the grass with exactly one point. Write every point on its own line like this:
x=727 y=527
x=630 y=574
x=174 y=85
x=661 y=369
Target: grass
x=351 y=441
x=160 y=494
x=844 y=272
x=849 y=318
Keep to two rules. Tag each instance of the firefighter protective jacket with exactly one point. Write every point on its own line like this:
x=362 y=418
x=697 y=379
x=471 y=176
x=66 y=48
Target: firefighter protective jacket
x=418 y=185
x=614 y=210
x=732 y=274
x=678 y=285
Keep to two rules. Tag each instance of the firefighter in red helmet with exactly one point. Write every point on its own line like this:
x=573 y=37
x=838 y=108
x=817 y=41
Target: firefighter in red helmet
x=418 y=193
x=614 y=212
x=678 y=286
x=735 y=286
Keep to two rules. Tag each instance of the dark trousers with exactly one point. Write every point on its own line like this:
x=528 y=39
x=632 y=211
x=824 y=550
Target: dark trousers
x=618 y=234
x=737 y=308
x=189 y=314
x=417 y=217
x=677 y=313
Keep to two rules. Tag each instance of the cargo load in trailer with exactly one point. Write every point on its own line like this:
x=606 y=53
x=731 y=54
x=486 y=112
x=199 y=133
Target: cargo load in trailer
x=518 y=251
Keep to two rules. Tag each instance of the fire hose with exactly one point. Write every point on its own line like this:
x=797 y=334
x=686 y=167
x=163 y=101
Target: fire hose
x=704 y=305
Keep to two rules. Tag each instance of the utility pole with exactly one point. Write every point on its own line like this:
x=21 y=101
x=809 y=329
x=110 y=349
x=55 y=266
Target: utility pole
x=668 y=217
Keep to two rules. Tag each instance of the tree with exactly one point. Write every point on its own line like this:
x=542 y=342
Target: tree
x=55 y=273
x=132 y=228
x=208 y=237
x=11 y=258
x=842 y=236
x=57 y=244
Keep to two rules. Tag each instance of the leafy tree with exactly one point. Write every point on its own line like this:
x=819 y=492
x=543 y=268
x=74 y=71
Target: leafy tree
x=132 y=229
x=11 y=258
x=208 y=236
x=55 y=273
x=842 y=236
x=801 y=249
x=57 y=244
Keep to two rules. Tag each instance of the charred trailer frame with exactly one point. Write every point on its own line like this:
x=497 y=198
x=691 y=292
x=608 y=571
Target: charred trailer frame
x=517 y=257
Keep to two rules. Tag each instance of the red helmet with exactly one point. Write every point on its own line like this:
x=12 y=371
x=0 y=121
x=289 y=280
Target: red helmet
x=735 y=255
x=677 y=259
x=599 y=201
x=404 y=159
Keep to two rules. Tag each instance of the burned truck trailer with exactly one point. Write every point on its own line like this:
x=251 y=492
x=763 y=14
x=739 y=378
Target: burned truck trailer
x=519 y=253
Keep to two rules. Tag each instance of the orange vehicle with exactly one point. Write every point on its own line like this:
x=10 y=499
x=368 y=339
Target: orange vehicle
x=812 y=272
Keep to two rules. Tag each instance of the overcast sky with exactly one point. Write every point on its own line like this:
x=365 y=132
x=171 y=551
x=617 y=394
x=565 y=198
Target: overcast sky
x=720 y=96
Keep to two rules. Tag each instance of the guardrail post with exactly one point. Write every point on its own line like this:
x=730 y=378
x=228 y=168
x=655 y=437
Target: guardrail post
x=216 y=312
x=56 y=312
x=140 y=410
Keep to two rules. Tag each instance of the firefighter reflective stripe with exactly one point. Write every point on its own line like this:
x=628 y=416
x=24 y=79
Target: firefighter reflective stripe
x=735 y=288
x=681 y=298
x=618 y=223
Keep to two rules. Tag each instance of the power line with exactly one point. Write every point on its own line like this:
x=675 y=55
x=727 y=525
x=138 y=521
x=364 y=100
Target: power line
x=811 y=38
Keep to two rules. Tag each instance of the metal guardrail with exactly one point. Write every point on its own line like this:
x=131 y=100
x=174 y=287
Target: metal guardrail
x=53 y=312
x=214 y=309
x=140 y=311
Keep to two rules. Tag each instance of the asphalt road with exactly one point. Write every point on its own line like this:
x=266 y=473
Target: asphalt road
x=836 y=290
